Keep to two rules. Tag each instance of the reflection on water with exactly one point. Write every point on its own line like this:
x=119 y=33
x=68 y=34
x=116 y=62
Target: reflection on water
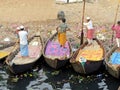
x=103 y=85
x=3 y=79
x=39 y=83
x=43 y=77
x=40 y=86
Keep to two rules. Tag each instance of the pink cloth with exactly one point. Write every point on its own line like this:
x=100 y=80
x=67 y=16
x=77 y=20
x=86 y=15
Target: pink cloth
x=54 y=49
x=117 y=30
x=90 y=34
x=34 y=51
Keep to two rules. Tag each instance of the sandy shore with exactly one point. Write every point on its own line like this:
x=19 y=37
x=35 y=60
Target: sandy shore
x=42 y=15
x=26 y=10
x=102 y=11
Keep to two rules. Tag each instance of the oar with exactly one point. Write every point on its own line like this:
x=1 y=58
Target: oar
x=82 y=33
x=115 y=19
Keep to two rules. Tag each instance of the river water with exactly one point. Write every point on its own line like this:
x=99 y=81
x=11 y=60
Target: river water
x=43 y=77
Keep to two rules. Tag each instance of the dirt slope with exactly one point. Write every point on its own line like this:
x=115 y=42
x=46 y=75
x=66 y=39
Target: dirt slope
x=101 y=11
x=26 y=10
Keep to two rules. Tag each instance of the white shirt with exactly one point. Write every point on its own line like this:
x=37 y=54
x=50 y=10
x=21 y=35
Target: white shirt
x=23 y=37
x=89 y=25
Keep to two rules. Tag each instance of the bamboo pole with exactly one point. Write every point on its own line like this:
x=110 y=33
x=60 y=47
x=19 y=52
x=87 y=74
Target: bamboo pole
x=115 y=19
x=67 y=1
x=116 y=13
x=82 y=33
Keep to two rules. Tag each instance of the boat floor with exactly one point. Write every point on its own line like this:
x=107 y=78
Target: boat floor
x=93 y=52
x=34 y=54
x=54 y=50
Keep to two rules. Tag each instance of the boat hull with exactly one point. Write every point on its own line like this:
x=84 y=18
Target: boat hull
x=112 y=69
x=89 y=66
x=56 y=63
x=16 y=69
x=21 y=68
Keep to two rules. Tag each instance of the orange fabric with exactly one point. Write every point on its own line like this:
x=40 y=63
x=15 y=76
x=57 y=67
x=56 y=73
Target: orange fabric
x=62 y=38
x=95 y=56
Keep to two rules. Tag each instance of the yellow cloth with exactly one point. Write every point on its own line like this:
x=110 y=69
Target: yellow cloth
x=4 y=54
x=62 y=38
x=92 y=55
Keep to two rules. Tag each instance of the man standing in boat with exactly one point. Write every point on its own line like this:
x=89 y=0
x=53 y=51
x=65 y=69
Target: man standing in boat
x=116 y=28
x=90 y=30
x=23 y=38
x=61 y=29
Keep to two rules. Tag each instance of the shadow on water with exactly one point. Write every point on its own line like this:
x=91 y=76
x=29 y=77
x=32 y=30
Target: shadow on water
x=43 y=77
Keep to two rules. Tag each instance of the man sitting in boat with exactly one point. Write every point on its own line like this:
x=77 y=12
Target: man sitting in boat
x=23 y=38
x=90 y=30
x=61 y=29
x=116 y=28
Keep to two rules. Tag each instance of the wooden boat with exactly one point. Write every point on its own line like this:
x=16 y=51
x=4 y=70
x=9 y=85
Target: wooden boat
x=4 y=53
x=5 y=49
x=88 y=59
x=6 y=45
x=54 y=54
x=112 y=67
x=18 y=64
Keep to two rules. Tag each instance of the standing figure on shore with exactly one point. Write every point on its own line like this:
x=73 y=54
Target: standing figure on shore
x=61 y=29
x=16 y=32
x=23 y=38
x=90 y=30
x=116 y=28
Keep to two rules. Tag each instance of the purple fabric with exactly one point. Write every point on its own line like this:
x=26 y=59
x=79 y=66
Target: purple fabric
x=54 y=49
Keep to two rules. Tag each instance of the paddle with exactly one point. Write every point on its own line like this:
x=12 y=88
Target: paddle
x=82 y=33
x=115 y=19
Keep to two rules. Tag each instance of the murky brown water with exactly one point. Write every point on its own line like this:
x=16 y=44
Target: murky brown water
x=42 y=77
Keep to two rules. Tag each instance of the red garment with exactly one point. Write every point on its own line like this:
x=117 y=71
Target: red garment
x=117 y=30
x=90 y=34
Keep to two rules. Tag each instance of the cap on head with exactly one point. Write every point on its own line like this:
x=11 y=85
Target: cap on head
x=22 y=27
x=88 y=18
